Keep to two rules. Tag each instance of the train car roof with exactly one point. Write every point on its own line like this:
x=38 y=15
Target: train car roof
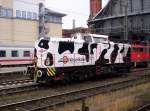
x=139 y=46
x=17 y=45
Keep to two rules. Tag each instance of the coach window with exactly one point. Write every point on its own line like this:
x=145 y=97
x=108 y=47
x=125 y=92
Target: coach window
x=26 y=53
x=14 y=53
x=2 y=53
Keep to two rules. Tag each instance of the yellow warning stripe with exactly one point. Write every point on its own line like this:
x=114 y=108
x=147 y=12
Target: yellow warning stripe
x=48 y=72
x=51 y=71
x=54 y=69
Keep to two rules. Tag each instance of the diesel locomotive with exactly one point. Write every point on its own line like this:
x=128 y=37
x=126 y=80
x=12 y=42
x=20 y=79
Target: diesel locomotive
x=83 y=56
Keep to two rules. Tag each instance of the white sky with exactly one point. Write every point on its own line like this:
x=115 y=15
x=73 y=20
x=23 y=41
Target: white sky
x=74 y=9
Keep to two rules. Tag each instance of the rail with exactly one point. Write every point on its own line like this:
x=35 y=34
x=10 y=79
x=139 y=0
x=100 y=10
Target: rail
x=49 y=101
x=144 y=108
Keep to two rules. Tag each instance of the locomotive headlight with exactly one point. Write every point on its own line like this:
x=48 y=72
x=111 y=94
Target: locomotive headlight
x=39 y=73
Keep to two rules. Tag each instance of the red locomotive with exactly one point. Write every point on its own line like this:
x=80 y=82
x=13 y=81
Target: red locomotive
x=140 y=55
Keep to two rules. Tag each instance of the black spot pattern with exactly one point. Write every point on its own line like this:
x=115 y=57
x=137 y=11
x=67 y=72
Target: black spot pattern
x=92 y=47
x=114 y=54
x=43 y=44
x=101 y=60
x=49 y=58
x=84 y=51
x=122 y=50
x=64 y=46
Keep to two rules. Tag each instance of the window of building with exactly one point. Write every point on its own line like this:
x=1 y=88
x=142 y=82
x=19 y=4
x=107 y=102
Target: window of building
x=9 y=12
x=50 y=18
x=3 y=12
x=53 y=19
x=59 y=19
x=18 y=13
x=29 y=15
x=23 y=14
x=35 y=16
x=26 y=53
x=14 y=53
x=2 y=53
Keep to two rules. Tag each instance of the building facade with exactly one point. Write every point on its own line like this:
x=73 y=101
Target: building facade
x=19 y=21
x=123 y=19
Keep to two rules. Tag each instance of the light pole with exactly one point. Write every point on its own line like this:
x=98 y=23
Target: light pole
x=41 y=20
x=126 y=22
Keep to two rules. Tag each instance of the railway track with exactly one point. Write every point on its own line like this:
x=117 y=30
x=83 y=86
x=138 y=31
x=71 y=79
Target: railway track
x=144 y=108
x=15 y=82
x=24 y=85
x=18 y=86
x=12 y=76
x=56 y=99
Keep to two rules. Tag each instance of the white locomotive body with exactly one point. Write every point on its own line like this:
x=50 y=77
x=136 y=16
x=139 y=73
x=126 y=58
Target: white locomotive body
x=59 y=58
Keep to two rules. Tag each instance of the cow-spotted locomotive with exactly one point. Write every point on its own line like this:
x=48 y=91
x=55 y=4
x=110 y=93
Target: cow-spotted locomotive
x=69 y=60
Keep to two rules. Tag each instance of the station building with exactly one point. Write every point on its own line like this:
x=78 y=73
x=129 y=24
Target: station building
x=122 y=20
x=19 y=21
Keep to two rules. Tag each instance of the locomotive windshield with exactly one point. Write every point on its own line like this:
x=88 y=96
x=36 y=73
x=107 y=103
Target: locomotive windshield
x=87 y=38
x=98 y=39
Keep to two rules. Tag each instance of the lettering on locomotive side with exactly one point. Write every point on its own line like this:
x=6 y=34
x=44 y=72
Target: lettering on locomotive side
x=66 y=60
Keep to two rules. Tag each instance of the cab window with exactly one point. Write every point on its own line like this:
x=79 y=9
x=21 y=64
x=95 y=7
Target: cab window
x=96 y=39
x=135 y=49
x=141 y=49
x=87 y=38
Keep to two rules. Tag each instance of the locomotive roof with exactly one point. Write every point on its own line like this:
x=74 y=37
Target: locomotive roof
x=100 y=36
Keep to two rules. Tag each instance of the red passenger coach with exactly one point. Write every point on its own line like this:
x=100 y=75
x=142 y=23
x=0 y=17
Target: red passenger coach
x=140 y=55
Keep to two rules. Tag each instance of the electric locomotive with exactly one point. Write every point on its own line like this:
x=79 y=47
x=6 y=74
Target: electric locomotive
x=140 y=55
